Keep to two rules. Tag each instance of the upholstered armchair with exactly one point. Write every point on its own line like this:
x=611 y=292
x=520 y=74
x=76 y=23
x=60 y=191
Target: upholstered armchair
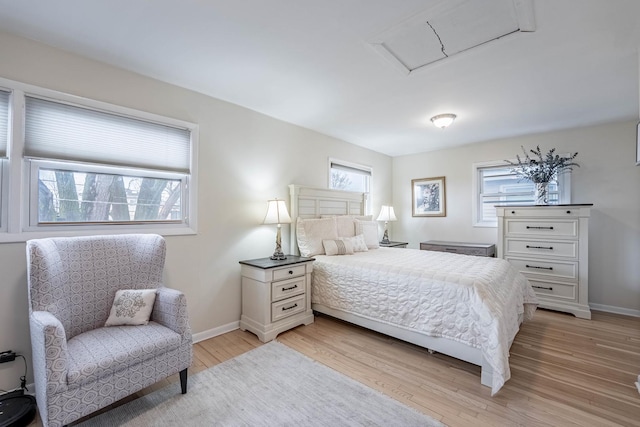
x=80 y=365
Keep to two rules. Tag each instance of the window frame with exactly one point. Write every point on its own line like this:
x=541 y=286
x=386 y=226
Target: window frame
x=367 y=171
x=15 y=223
x=563 y=182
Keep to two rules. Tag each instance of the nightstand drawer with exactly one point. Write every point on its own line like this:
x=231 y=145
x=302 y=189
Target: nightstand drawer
x=291 y=271
x=286 y=308
x=542 y=228
x=564 y=291
x=287 y=288
x=564 y=249
x=546 y=269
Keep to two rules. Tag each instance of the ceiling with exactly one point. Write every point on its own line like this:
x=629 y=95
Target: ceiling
x=315 y=63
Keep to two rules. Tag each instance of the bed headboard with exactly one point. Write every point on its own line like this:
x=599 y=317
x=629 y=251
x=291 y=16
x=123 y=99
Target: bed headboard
x=307 y=202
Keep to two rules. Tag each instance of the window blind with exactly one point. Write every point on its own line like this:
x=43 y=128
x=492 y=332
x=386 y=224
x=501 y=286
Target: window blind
x=55 y=130
x=350 y=169
x=4 y=122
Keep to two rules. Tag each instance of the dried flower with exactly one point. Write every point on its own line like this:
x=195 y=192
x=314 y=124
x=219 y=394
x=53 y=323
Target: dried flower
x=543 y=168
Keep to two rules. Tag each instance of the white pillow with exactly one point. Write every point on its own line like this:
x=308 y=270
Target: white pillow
x=338 y=247
x=131 y=307
x=346 y=223
x=359 y=245
x=311 y=232
x=370 y=231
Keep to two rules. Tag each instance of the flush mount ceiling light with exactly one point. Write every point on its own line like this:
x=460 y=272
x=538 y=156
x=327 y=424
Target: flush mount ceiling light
x=443 y=120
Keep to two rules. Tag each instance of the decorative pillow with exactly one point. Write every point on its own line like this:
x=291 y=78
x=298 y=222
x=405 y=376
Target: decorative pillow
x=338 y=247
x=370 y=231
x=346 y=224
x=359 y=245
x=311 y=232
x=131 y=307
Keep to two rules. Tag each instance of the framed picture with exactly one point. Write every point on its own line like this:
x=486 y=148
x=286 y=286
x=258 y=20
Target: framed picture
x=428 y=197
x=638 y=144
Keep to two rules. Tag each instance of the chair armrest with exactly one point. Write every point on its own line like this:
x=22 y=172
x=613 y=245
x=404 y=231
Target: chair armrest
x=49 y=352
x=170 y=310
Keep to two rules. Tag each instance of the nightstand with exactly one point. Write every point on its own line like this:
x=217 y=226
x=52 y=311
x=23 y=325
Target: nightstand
x=276 y=295
x=477 y=249
x=394 y=245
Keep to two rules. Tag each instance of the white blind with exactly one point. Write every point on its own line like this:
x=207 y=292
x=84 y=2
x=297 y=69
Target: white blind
x=4 y=122
x=350 y=169
x=55 y=130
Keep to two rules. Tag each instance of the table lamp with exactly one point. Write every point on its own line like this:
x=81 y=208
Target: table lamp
x=386 y=215
x=277 y=214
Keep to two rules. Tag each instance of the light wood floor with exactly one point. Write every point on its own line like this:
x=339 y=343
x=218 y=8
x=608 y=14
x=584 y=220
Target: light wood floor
x=564 y=371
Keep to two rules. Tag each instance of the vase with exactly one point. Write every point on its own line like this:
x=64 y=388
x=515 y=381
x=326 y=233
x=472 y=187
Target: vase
x=541 y=194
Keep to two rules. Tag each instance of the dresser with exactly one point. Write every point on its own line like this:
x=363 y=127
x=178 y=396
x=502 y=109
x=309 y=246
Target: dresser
x=477 y=249
x=550 y=246
x=276 y=295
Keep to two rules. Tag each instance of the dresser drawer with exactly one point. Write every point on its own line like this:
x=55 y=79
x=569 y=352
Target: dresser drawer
x=564 y=291
x=542 y=228
x=552 y=248
x=291 y=271
x=288 y=307
x=287 y=288
x=546 y=269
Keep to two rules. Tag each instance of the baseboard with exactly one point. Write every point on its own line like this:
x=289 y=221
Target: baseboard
x=210 y=333
x=614 y=309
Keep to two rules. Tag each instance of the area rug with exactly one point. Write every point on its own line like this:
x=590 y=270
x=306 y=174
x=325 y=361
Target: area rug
x=271 y=385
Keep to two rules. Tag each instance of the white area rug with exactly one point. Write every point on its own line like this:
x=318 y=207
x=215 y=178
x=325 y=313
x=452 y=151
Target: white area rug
x=272 y=385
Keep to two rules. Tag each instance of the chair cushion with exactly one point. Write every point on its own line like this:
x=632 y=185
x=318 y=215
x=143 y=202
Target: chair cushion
x=103 y=351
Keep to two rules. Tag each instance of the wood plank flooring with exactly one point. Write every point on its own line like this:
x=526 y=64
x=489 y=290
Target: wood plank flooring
x=565 y=371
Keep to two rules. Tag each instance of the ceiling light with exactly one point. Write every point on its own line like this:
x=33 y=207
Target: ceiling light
x=443 y=120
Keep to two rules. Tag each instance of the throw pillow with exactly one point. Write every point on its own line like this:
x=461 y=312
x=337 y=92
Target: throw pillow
x=359 y=245
x=337 y=247
x=131 y=307
x=370 y=231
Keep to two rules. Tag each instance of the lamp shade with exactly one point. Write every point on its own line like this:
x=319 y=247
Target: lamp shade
x=387 y=214
x=277 y=213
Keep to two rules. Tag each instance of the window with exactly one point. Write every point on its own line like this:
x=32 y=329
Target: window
x=349 y=176
x=87 y=165
x=495 y=184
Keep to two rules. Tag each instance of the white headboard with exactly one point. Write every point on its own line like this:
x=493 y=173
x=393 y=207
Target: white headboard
x=307 y=202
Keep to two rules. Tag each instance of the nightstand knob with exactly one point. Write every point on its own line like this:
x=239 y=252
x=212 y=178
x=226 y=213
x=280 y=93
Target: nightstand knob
x=568 y=212
x=290 y=271
x=513 y=212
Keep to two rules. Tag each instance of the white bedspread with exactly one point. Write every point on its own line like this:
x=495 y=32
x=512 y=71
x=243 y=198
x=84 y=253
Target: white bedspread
x=474 y=300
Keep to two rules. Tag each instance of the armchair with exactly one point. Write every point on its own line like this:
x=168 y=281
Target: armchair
x=80 y=365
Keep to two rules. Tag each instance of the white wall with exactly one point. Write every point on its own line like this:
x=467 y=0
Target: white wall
x=607 y=177
x=245 y=158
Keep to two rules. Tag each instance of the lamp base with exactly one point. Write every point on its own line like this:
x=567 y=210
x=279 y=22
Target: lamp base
x=385 y=239
x=278 y=255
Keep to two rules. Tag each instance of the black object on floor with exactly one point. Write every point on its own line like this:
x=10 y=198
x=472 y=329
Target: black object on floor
x=17 y=409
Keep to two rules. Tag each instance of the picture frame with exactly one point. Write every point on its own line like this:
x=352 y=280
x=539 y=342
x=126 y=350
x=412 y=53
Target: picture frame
x=638 y=144
x=428 y=197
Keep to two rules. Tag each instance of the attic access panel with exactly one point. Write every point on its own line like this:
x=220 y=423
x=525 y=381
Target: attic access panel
x=451 y=28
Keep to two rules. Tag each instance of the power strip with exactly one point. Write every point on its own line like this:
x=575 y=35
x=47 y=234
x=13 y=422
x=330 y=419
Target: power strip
x=7 y=356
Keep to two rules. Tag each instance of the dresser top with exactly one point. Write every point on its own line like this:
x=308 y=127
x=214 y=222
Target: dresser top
x=463 y=244
x=544 y=206
x=271 y=263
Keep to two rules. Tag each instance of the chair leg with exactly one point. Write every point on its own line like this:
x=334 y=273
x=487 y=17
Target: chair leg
x=183 y=381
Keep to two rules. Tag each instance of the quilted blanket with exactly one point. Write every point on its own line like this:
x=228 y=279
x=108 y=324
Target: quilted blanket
x=474 y=300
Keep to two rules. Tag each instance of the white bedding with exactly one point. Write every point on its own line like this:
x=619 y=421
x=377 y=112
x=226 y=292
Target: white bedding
x=476 y=301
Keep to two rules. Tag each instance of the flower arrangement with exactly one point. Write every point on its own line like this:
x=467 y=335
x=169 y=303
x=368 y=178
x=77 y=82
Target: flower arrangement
x=541 y=168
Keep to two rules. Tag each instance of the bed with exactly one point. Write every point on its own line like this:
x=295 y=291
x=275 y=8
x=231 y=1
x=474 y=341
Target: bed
x=463 y=306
